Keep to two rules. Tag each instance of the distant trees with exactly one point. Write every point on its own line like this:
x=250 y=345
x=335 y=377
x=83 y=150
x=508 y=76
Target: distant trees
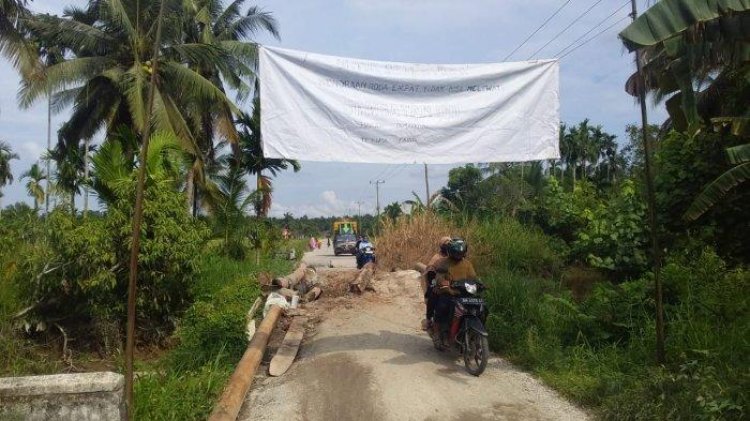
x=393 y=211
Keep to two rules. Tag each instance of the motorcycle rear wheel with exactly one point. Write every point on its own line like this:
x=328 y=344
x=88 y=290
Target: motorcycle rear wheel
x=476 y=352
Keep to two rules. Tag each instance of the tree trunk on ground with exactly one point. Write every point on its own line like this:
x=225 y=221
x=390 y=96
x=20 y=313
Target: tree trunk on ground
x=363 y=280
x=291 y=280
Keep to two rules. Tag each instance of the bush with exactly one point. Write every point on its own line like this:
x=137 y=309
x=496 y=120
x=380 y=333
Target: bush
x=78 y=270
x=599 y=351
x=506 y=244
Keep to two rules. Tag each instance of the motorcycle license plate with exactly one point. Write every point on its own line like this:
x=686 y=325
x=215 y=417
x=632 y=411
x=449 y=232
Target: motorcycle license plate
x=471 y=300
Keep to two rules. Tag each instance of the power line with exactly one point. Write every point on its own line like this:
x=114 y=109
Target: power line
x=597 y=34
x=627 y=2
x=537 y=29
x=565 y=29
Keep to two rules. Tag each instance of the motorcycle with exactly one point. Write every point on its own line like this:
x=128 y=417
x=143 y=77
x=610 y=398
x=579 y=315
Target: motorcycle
x=466 y=332
x=365 y=256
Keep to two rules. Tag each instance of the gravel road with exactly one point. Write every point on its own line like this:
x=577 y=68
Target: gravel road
x=366 y=359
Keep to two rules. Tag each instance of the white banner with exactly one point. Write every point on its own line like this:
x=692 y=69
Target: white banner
x=326 y=108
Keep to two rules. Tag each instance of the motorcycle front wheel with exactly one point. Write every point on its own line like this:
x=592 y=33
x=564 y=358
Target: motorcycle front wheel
x=476 y=352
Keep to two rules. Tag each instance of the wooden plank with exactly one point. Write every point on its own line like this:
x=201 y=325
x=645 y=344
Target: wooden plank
x=286 y=353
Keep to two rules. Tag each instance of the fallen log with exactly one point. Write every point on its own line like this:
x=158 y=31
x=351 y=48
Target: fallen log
x=363 y=279
x=293 y=279
x=313 y=294
x=234 y=393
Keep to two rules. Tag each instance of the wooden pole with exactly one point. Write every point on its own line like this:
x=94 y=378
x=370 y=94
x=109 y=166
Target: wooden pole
x=294 y=278
x=137 y=219
x=231 y=400
x=655 y=250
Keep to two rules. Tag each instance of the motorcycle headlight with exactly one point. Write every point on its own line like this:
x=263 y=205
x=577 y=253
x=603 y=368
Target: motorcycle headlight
x=470 y=288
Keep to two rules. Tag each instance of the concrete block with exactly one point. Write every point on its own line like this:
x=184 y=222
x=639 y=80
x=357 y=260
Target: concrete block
x=81 y=396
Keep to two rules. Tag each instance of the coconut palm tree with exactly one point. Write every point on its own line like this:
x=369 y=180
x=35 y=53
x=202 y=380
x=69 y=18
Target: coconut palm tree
x=6 y=155
x=34 y=187
x=253 y=161
x=228 y=30
x=13 y=43
x=106 y=77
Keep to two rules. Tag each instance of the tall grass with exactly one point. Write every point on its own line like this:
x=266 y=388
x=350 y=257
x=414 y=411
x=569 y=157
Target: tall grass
x=412 y=239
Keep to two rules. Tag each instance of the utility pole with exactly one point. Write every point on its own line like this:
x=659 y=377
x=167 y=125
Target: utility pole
x=377 y=184
x=426 y=187
x=359 y=213
x=655 y=251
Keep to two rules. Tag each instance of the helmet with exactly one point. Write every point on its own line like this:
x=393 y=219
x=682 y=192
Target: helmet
x=443 y=244
x=457 y=248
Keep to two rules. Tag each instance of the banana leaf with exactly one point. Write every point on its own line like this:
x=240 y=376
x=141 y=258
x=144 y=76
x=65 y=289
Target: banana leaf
x=669 y=18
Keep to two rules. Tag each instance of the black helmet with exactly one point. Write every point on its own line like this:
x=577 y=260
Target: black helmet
x=457 y=248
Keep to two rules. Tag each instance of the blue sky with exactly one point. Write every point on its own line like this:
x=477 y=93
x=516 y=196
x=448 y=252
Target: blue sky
x=429 y=31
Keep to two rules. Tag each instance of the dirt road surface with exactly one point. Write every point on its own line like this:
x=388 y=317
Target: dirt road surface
x=366 y=359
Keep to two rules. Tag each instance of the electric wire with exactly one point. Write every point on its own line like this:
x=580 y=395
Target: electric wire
x=597 y=34
x=565 y=29
x=627 y=2
x=537 y=29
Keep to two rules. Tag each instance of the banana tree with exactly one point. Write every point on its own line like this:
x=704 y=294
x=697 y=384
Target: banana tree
x=696 y=57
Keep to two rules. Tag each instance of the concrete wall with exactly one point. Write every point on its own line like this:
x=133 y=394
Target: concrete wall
x=84 y=396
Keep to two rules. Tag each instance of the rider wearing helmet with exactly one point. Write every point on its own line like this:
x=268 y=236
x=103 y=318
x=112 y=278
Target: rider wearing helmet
x=429 y=276
x=455 y=267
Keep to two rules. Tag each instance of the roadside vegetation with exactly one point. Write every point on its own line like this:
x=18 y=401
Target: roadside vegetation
x=205 y=237
x=563 y=244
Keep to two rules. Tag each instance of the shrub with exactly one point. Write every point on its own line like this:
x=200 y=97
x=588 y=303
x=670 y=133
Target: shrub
x=504 y=243
x=78 y=270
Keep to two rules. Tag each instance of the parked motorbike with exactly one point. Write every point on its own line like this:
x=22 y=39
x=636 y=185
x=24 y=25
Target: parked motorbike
x=466 y=332
x=365 y=256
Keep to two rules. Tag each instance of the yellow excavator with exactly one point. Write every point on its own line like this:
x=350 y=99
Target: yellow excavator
x=344 y=236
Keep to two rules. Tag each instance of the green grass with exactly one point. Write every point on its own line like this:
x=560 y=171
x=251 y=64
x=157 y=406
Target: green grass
x=211 y=340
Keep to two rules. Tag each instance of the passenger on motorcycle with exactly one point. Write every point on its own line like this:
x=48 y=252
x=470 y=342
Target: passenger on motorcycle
x=427 y=279
x=362 y=245
x=454 y=267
